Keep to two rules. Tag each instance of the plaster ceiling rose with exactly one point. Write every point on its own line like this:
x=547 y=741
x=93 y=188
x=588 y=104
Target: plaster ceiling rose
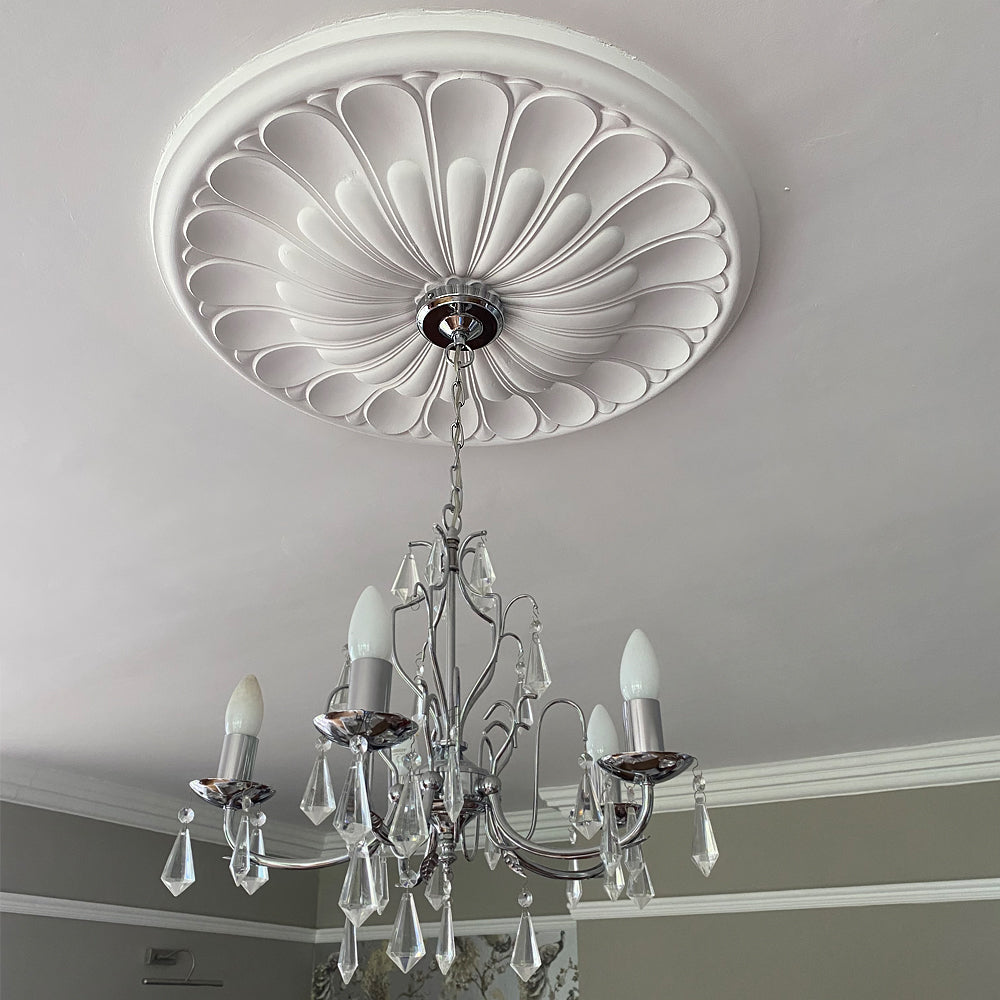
x=306 y=204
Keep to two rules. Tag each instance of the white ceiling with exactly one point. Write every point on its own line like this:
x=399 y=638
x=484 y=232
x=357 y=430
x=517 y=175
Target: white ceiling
x=806 y=526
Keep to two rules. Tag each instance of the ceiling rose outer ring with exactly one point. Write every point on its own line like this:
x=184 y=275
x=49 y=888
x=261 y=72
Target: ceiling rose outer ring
x=520 y=51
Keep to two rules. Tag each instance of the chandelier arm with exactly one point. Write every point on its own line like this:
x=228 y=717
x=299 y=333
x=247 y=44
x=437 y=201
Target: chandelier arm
x=396 y=665
x=538 y=748
x=520 y=597
x=332 y=699
x=558 y=873
x=433 y=620
x=486 y=677
x=509 y=744
x=511 y=838
x=276 y=861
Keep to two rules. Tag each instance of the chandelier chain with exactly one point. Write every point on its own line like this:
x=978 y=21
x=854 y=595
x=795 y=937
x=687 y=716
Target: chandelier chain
x=461 y=358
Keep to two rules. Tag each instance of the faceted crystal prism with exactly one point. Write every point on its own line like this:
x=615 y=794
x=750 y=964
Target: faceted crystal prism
x=492 y=853
x=239 y=862
x=352 y=818
x=178 y=872
x=318 y=800
x=524 y=959
x=405 y=585
x=359 y=895
x=587 y=816
x=406 y=946
x=445 y=952
x=453 y=796
x=574 y=893
x=704 y=850
x=536 y=678
x=257 y=874
x=633 y=858
x=347 y=960
x=435 y=562
x=614 y=882
x=381 y=882
x=482 y=577
x=409 y=830
x=640 y=887
x=610 y=850
x=438 y=887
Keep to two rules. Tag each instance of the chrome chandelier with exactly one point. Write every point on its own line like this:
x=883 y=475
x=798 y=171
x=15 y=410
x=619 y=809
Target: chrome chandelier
x=445 y=761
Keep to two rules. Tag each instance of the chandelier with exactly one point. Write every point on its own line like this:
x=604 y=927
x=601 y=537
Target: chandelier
x=445 y=761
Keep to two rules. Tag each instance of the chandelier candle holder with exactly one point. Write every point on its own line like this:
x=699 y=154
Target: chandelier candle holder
x=445 y=790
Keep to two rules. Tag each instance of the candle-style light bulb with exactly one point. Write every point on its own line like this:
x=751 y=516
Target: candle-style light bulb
x=640 y=671
x=245 y=711
x=370 y=631
x=602 y=736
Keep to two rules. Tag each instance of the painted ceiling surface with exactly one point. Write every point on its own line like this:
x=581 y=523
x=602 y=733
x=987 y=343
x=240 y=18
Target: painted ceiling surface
x=806 y=525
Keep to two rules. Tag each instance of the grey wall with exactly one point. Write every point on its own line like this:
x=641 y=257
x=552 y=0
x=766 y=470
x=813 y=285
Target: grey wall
x=51 y=854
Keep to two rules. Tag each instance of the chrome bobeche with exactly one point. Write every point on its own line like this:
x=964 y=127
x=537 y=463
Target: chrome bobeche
x=461 y=792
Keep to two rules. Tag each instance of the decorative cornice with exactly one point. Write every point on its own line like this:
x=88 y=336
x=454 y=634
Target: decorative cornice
x=305 y=205
x=956 y=762
x=961 y=890
x=965 y=890
x=95 y=798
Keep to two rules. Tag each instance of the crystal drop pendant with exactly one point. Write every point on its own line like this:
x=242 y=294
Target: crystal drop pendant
x=524 y=713
x=318 y=800
x=438 y=887
x=381 y=883
x=257 y=874
x=524 y=959
x=405 y=585
x=492 y=853
x=352 y=818
x=640 y=887
x=239 y=862
x=574 y=893
x=347 y=960
x=587 y=817
x=610 y=851
x=453 y=796
x=704 y=850
x=445 y=952
x=178 y=872
x=435 y=562
x=633 y=858
x=482 y=577
x=536 y=678
x=408 y=830
x=359 y=896
x=614 y=882
x=406 y=946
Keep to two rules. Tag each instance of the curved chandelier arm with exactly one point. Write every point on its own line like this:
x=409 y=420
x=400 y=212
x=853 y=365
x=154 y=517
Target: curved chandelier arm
x=422 y=595
x=520 y=597
x=538 y=748
x=276 y=861
x=545 y=871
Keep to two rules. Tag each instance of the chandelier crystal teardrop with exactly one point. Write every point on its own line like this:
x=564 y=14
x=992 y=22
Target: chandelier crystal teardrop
x=434 y=811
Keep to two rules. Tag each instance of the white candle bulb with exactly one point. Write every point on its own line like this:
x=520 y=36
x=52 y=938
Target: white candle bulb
x=640 y=672
x=370 y=631
x=245 y=711
x=602 y=736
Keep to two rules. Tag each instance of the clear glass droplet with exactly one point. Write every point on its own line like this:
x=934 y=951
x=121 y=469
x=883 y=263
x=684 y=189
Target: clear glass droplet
x=318 y=800
x=359 y=895
x=381 y=882
x=352 y=818
x=178 y=872
x=453 y=796
x=525 y=715
x=482 y=577
x=239 y=862
x=404 y=587
x=408 y=878
x=438 y=887
x=408 y=830
x=633 y=858
x=704 y=850
x=587 y=816
x=574 y=893
x=536 y=678
x=435 y=562
x=185 y=815
x=640 y=887
x=524 y=959
x=257 y=874
x=610 y=850
x=347 y=960
x=445 y=952
x=406 y=945
x=492 y=853
x=614 y=882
